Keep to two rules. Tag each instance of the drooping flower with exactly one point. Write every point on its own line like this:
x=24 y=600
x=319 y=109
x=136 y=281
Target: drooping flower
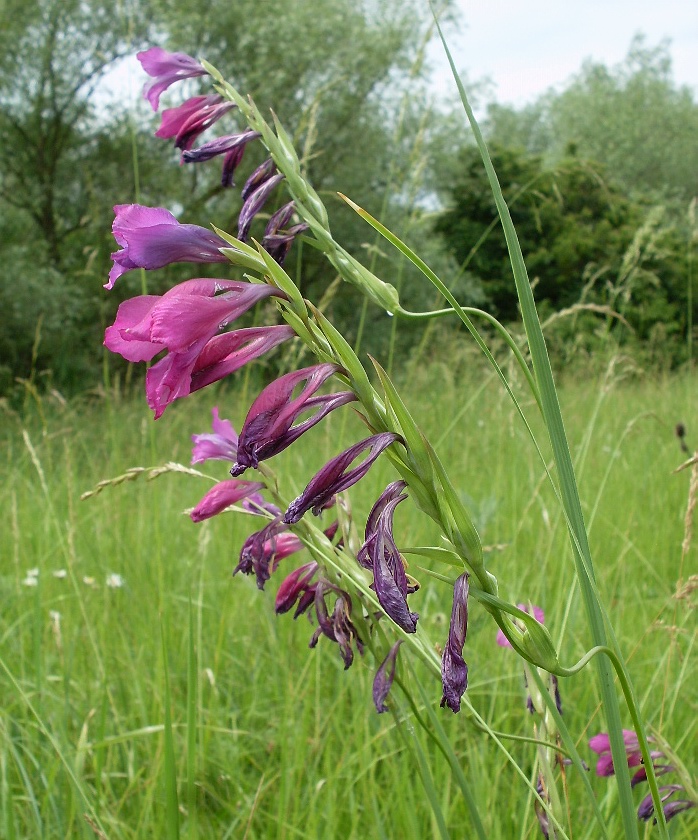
x=232 y=146
x=601 y=745
x=254 y=203
x=337 y=626
x=380 y=554
x=383 y=681
x=223 y=495
x=293 y=587
x=151 y=237
x=190 y=119
x=277 y=241
x=676 y=806
x=268 y=428
x=219 y=445
x=337 y=476
x=261 y=174
x=454 y=670
x=263 y=550
x=166 y=68
x=538 y=614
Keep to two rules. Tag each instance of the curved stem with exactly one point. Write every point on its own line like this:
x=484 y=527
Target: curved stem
x=479 y=313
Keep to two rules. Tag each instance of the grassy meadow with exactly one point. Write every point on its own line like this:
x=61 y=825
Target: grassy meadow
x=179 y=704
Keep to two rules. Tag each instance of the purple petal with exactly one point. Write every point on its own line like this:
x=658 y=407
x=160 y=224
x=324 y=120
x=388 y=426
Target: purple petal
x=337 y=476
x=454 y=670
x=129 y=314
x=227 y=353
x=263 y=172
x=279 y=219
x=174 y=119
x=268 y=428
x=221 y=445
x=166 y=68
x=383 y=680
x=220 y=146
x=151 y=237
x=294 y=586
x=389 y=578
x=221 y=496
x=254 y=204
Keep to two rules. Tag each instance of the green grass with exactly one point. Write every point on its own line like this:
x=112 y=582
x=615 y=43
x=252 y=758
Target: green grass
x=270 y=739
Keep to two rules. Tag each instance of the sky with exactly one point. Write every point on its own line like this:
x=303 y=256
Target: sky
x=527 y=46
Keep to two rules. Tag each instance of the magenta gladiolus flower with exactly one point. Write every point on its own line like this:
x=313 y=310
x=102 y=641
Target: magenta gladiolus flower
x=383 y=681
x=151 y=237
x=219 y=445
x=230 y=351
x=166 y=68
x=336 y=475
x=676 y=806
x=454 y=670
x=268 y=428
x=538 y=614
x=223 y=495
x=294 y=586
x=190 y=119
x=601 y=745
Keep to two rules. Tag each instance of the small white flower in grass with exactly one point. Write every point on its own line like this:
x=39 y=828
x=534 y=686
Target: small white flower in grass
x=114 y=581
x=33 y=573
x=30 y=580
x=60 y=574
x=88 y=581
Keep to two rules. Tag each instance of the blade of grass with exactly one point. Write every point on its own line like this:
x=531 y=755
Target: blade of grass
x=170 y=768
x=568 y=485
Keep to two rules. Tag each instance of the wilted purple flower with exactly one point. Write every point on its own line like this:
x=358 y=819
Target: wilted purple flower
x=222 y=495
x=219 y=445
x=538 y=614
x=277 y=241
x=601 y=745
x=151 y=237
x=392 y=491
x=232 y=146
x=263 y=550
x=646 y=808
x=454 y=671
x=190 y=119
x=166 y=68
x=383 y=680
x=261 y=174
x=380 y=554
x=294 y=586
x=336 y=476
x=268 y=428
x=338 y=627
x=254 y=203
x=279 y=244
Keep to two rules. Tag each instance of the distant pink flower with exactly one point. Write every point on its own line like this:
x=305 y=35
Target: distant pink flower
x=601 y=745
x=223 y=495
x=219 y=445
x=166 y=68
x=151 y=237
x=538 y=614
